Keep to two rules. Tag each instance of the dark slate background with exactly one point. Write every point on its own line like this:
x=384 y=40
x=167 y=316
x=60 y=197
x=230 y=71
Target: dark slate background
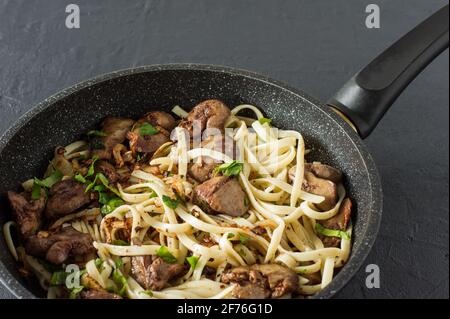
x=313 y=45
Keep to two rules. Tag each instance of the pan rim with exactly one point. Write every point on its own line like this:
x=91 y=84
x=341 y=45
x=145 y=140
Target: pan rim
x=357 y=257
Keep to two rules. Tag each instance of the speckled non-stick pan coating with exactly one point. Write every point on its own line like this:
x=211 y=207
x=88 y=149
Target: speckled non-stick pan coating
x=28 y=145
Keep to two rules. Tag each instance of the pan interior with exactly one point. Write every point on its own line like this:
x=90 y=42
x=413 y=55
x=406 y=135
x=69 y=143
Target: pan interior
x=29 y=146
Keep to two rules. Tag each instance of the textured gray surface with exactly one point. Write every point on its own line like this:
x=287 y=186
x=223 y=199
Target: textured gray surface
x=313 y=45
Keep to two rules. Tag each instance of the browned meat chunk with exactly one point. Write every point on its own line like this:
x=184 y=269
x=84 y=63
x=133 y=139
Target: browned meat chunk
x=324 y=171
x=61 y=246
x=108 y=170
x=116 y=130
x=66 y=197
x=207 y=114
x=149 y=143
x=322 y=187
x=202 y=171
x=261 y=281
x=153 y=272
x=318 y=186
x=26 y=212
x=338 y=222
x=159 y=118
x=203 y=167
x=98 y=294
x=221 y=195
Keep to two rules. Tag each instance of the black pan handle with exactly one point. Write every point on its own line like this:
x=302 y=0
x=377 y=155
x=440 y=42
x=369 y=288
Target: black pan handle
x=368 y=94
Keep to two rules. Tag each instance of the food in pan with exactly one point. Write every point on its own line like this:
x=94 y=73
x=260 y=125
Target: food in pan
x=210 y=205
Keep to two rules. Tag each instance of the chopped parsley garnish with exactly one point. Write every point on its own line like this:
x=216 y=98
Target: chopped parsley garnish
x=105 y=182
x=91 y=169
x=75 y=291
x=147 y=129
x=166 y=255
x=98 y=263
x=265 y=120
x=58 y=278
x=111 y=205
x=102 y=178
x=120 y=281
x=330 y=232
x=192 y=261
x=169 y=202
x=119 y=262
x=230 y=235
x=36 y=192
x=80 y=178
x=243 y=239
x=48 y=182
x=95 y=133
x=230 y=169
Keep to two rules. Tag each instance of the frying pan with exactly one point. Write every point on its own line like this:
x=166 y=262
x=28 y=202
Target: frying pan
x=332 y=130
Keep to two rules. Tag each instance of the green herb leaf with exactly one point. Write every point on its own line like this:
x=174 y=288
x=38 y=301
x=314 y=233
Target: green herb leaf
x=147 y=292
x=192 y=260
x=243 y=239
x=119 y=242
x=230 y=169
x=82 y=272
x=120 y=281
x=92 y=184
x=119 y=262
x=330 y=232
x=36 y=192
x=105 y=182
x=48 y=182
x=95 y=133
x=230 y=235
x=111 y=205
x=100 y=188
x=75 y=291
x=169 y=202
x=147 y=129
x=265 y=120
x=165 y=254
x=80 y=178
x=91 y=169
x=58 y=278
x=103 y=198
x=98 y=263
